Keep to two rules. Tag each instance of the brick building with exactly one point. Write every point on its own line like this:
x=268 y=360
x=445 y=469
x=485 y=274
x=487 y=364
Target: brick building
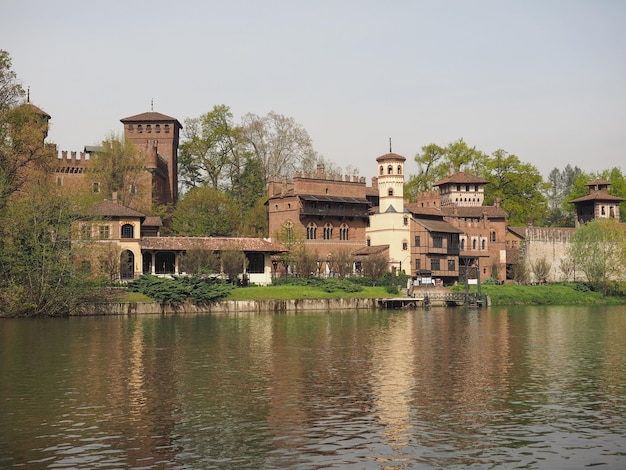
x=324 y=213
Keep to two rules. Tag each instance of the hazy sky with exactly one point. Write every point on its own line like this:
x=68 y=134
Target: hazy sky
x=542 y=79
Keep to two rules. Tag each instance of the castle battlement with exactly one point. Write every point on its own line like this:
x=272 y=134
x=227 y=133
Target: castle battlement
x=71 y=156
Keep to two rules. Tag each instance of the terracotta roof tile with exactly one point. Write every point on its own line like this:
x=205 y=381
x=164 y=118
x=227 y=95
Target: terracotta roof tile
x=108 y=208
x=211 y=244
x=371 y=250
x=391 y=156
x=462 y=177
x=151 y=116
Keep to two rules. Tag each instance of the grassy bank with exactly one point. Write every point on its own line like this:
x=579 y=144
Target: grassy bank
x=547 y=294
x=509 y=294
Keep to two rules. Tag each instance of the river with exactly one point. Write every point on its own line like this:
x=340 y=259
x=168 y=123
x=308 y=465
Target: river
x=523 y=387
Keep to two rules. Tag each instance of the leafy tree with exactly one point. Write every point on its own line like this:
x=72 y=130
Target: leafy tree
x=374 y=266
x=342 y=262
x=233 y=263
x=517 y=184
x=519 y=272
x=200 y=262
x=118 y=168
x=210 y=143
x=255 y=221
x=280 y=144
x=205 y=211
x=305 y=262
x=598 y=249
x=558 y=187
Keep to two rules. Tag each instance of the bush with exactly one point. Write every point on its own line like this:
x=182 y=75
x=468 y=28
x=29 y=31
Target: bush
x=200 y=290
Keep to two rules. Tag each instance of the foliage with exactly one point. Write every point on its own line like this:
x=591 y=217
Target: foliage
x=519 y=272
x=541 y=268
x=117 y=167
x=205 y=212
x=342 y=263
x=233 y=263
x=199 y=290
x=330 y=284
x=598 y=249
x=557 y=189
x=199 y=262
x=374 y=266
x=305 y=262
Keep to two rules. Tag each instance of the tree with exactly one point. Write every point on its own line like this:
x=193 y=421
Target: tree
x=517 y=184
x=200 y=262
x=233 y=264
x=305 y=262
x=118 y=168
x=541 y=268
x=280 y=144
x=342 y=262
x=374 y=266
x=211 y=143
x=557 y=188
x=598 y=249
x=519 y=272
x=205 y=211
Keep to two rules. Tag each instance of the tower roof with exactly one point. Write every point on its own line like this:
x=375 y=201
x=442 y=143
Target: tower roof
x=151 y=116
x=462 y=177
x=391 y=156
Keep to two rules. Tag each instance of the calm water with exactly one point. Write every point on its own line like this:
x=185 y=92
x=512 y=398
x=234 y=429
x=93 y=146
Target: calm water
x=449 y=388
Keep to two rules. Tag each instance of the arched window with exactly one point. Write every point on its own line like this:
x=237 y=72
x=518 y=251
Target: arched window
x=390 y=192
x=390 y=170
x=474 y=243
x=382 y=171
x=399 y=169
x=311 y=231
x=343 y=232
x=405 y=221
x=462 y=243
x=369 y=242
x=328 y=232
x=127 y=265
x=128 y=231
x=492 y=236
x=289 y=230
x=483 y=244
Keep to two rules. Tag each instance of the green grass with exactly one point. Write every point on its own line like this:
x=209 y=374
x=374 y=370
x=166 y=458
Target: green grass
x=548 y=294
x=283 y=292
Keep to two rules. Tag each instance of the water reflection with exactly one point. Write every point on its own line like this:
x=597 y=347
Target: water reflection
x=512 y=388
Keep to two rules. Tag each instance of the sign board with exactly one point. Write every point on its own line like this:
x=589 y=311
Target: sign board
x=472 y=281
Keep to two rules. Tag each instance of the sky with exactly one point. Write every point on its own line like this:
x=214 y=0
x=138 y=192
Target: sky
x=544 y=80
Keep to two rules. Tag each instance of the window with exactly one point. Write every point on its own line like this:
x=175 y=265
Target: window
x=418 y=264
x=59 y=181
x=328 y=232
x=139 y=128
x=289 y=230
x=406 y=220
x=167 y=128
x=369 y=242
x=463 y=243
x=399 y=169
x=128 y=231
x=483 y=243
x=390 y=192
x=311 y=231
x=451 y=265
x=343 y=232
x=390 y=170
x=382 y=171
x=104 y=232
x=85 y=232
x=149 y=128
x=256 y=263
x=492 y=236
x=474 y=243
x=435 y=264
x=405 y=246
x=437 y=241
x=131 y=128
x=157 y=128
x=96 y=187
x=417 y=240
x=133 y=189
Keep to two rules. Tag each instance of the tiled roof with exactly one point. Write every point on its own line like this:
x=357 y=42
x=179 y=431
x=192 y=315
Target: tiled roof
x=438 y=226
x=108 y=208
x=462 y=177
x=417 y=209
x=391 y=156
x=492 y=212
x=152 y=222
x=519 y=231
x=34 y=109
x=371 y=250
x=598 y=196
x=211 y=244
x=348 y=200
x=151 y=116
x=598 y=182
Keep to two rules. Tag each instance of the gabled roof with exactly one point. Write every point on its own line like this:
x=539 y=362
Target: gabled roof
x=417 y=209
x=108 y=208
x=518 y=231
x=438 y=226
x=461 y=177
x=151 y=116
x=211 y=244
x=152 y=222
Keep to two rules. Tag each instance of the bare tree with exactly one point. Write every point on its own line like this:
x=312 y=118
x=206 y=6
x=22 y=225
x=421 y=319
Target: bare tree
x=374 y=266
x=541 y=268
